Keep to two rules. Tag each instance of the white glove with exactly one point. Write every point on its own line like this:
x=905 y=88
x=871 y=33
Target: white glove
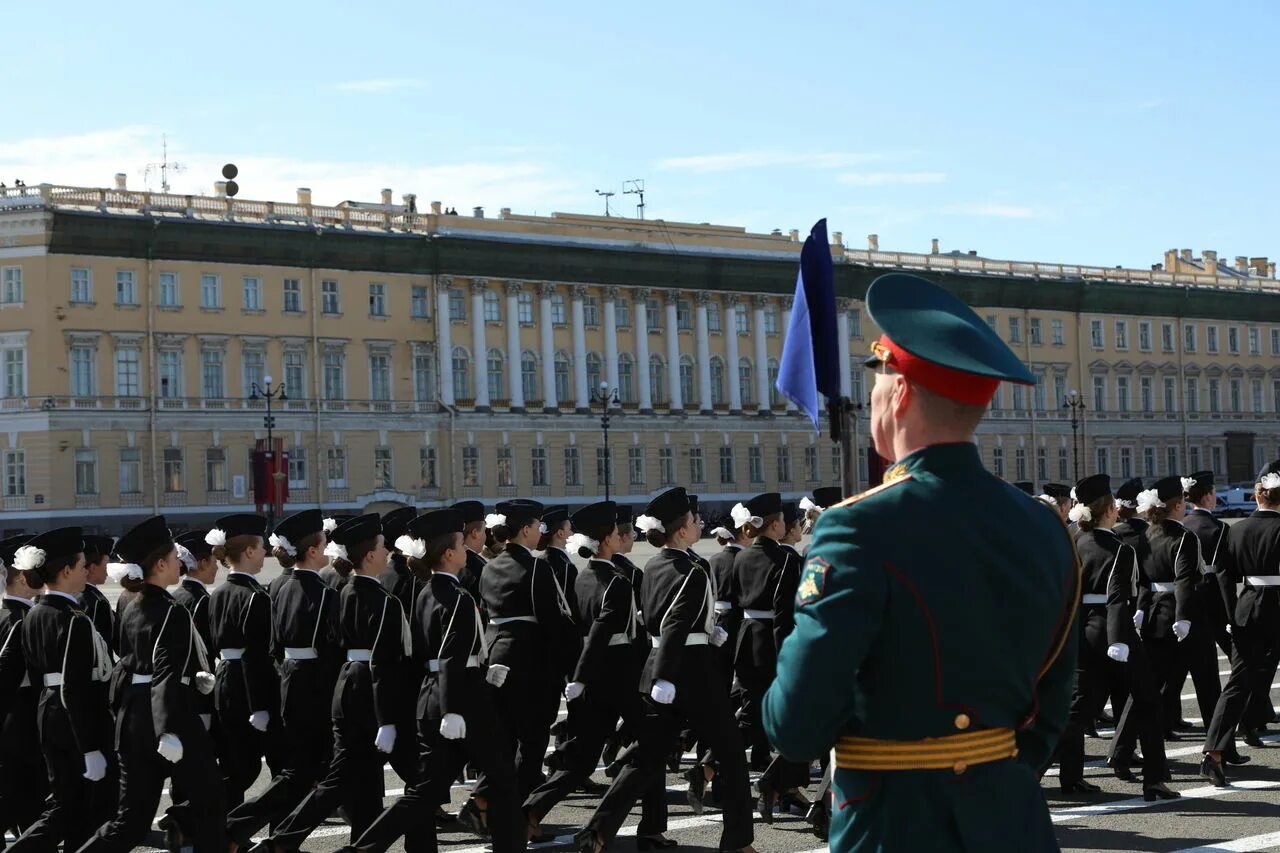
x=1228 y=627
x=170 y=748
x=95 y=766
x=1181 y=628
x=207 y=720
x=573 y=690
x=497 y=674
x=385 y=740
x=453 y=727
x=1119 y=652
x=663 y=692
x=1139 y=617
x=204 y=683
x=719 y=636
x=259 y=720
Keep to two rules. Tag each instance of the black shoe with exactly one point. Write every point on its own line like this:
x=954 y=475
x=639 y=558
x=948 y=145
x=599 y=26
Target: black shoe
x=1080 y=787
x=1159 y=791
x=592 y=788
x=655 y=842
x=1252 y=738
x=1106 y=720
x=175 y=841
x=697 y=787
x=610 y=752
x=443 y=818
x=1184 y=726
x=1234 y=758
x=585 y=841
x=473 y=819
x=673 y=761
x=1090 y=730
x=1171 y=735
x=1120 y=767
x=1213 y=771
x=818 y=819
x=766 y=800
x=613 y=770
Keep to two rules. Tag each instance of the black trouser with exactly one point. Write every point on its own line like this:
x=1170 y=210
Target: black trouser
x=1197 y=655
x=485 y=747
x=703 y=703
x=527 y=707
x=1251 y=674
x=754 y=677
x=592 y=719
x=1260 y=711
x=239 y=744
x=23 y=780
x=63 y=821
x=1142 y=718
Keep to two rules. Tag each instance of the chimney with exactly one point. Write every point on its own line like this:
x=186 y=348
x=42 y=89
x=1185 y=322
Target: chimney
x=477 y=212
x=386 y=196
x=933 y=246
x=122 y=181
x=1259 y=265
x=1210 y=259
x=437 y=208
x=220 y=189
x=409 y=199
x=795 y=235
x=1242 y=264
x=837 y=238
x=777 y=232
x=1157 y=267
x=1186 y=254
x=1271 y=270
x=504 y=212
x=873 y=242
x=304 y=195
x=973 y=253
x=1171 y=258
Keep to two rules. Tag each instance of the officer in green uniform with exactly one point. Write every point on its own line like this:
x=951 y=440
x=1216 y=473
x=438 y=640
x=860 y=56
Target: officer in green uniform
x=942 y=602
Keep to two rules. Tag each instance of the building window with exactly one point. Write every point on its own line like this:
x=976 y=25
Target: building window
x=1171 y=459
x=1148 y=461
x=784 y=463
x=771 y=319
x=1146 y=400
x=15 y=473
x=604 y=476
x=380 y=376
x=1103 y=463
x=666 y=466
x=292 y=296
x=504 y=467
x=253 y=365
x=1211 y=340
x=1193 y=458
x=492 y=307
x=1255 y=393
x=1122 y=334
x=168 y=289
x=126 y=288
x=1122 y=394
x=997 y=460
x=1189 y=338
x=11 y=277
x=215 y=469
x=857 y=385
x=15 y=372
x=562 y=371
x=295 y=373
x=335 y=459
x=622 y=313
x=855 y=322
x=626 y=379
x=697 y=473
x=1234 y=391
x=538 y=466
x=252 y=293
x=529 y=376
x=1020 y=463
x=130 y=471
x=717 y=381
x=755 y=464
x=524 y=308
x=688 y=389
x=997 y=399
x=298 y=468
x=174 y=475
x=1193 y=395
x=457 y=306
x=1126 y=462
x=653 y=315
x=210 y=291
x=1144 y=336
x=86 y=462
x=461 y=364
x=1166 y=337
x=377 y=299
x=1015 y=330
x=1034 y=332
x=1056 y=329
x=743 y=319
x=774 y=395
x=590 y=312
x=713 y=316
x=1233 y=340
x=1018 y=398
x=744 y=380
x=1042 y=464
x=594 y=370
x=1062 y=464
x=991 y=321
x=657 y=379
x=726 y=465
x=1038 y=391
x=1059 y=390
x=127 y=372
x=427 y=467
x=212 y=384
x=572 y=467
x=684 y=315
x=382 y=469
x=1255 y=341
x=1213 y=396
x=334 y=375
x=495 y=375
x=811 y=464
x=1170 y=395
x=470 y=465
x=83 y=372
x=329 y=303
x=557 y=309
x=1095 y=334
x=170 y=374
x=81 y=285
x=1275 y=341
x=418 y=302
x=1099 y=393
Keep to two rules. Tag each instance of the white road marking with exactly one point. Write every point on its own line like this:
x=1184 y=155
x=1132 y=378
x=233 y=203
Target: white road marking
x=1136 y=803
x=1181 y=752
x=1238 y=845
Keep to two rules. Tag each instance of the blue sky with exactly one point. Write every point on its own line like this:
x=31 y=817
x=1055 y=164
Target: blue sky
x=1088 y=132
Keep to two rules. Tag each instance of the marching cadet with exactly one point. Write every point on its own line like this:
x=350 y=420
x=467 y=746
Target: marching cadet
x=555 y=533
x=1109 y=647
x=1061 y=496
x=765 y=579
x=366 y=703
x=65 y=661
x=473 y=539
x=163 y=664
x=943 y=704
x=531 y=633
x=333 y=578
x=397 y=578
x=97 y=553
x=304 y=619
x=1253 y=548
x=693 y=555
x=199 y=570
x=246 y=688
x=23 y=779
x=458 y=719
x=728 y=614
x=627 y=541
x=823 y=498
x=603 y=683
x=626 y=732
x=793 y=519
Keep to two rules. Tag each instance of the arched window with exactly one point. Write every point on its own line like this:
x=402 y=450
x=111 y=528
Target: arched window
x=492 y=307
x=461 y=374
x=657 y=379
x=529 y=376
x=593 y=373
x=626 y=383
x=744 y=381
x=774 y=396
x=717 y=381
x=497 y=388
x=564 y=369
x=688 y=386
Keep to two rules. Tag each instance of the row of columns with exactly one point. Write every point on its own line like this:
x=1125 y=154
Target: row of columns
x=582 y=394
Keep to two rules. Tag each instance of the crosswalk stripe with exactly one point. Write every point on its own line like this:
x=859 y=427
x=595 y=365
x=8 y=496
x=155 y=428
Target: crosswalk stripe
x=1136 y=803
x=1181 y=752
x=1238 y=845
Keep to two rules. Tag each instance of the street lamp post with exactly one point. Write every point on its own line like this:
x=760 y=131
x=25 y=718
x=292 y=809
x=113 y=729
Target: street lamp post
x=1075 y=404
x=607 y=398
x=269 y=421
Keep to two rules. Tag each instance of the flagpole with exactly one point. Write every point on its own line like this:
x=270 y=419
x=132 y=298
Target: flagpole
x=842 y=435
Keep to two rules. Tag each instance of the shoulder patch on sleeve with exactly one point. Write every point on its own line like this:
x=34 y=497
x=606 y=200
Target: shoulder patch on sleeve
x=813 y=582
x=872 y=492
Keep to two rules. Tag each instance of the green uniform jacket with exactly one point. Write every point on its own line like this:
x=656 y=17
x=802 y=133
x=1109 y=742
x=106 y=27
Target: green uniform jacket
x=941 y=601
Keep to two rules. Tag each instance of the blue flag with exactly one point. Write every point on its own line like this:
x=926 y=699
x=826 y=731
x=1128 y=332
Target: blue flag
x=811 y=351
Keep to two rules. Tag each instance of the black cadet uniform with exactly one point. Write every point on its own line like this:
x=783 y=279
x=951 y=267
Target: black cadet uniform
x=449 y=641
x=728 y=614
x=193 y=595
x=469 y=575
x=1198 y=656
x=565 y=571
x=162 y=666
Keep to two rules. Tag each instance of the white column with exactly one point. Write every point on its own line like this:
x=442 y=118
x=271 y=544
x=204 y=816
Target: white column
x=479 y=350
x=842 y=337
x=731 y=353
x=786 y=327
x=611 y=337
x=444 y=339
x=640 y=322
x=514 y=377
x=762 y=354
x=581 y=392
x=673 y=354
x=546 y=337
x=704 y=353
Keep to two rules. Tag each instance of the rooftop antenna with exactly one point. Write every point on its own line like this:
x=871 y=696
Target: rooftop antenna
x=635 y=187
x=164 y=167
x=606 y=195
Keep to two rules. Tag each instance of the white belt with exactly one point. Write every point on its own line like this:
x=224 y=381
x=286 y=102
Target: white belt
x=1263 y=580
x=1093 y=598
x=52 y=679
x=434 y=665
x=301 y=654
x=722 y=606
x=1167 y=587
x=502 y=620
x=691 y=640
x=231 y=654
x=620 y=639
x=763 y=615
x=359 y=655
x=142 y=678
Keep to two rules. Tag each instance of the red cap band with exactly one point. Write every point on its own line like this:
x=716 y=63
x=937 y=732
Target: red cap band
x=968 y=388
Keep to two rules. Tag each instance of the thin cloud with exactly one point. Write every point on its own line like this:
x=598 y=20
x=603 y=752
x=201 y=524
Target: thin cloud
x=1153 y=104
x=997 y=211
x=885 y=179
x=739 y=160
x=382 y=85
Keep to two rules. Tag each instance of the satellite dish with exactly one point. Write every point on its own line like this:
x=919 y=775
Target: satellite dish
x=232 y=189
x=229 y=171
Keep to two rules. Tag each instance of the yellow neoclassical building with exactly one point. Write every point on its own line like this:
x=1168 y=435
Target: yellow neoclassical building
x=428 y=357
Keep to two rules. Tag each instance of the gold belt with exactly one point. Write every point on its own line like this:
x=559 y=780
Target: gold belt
x=950 y=752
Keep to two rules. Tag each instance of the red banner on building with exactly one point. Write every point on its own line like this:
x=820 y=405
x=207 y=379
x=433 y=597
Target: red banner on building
x=270 y=476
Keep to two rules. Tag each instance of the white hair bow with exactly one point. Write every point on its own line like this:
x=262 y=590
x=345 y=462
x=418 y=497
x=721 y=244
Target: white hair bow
x=1125 y=504
x=1048 y=501
x=1148 y=499
x=283 y=543
x=28 y=558
x=1073 y=494
x=335 y=551
x=216 y=537
x=581 y=540
x=542 y=528
x=119 y=571
x=410 y=547
x=1187 y=483
x=806 y=505
x=741 y=515
x=184 y=554
x=329 y=525
x=493 y=520
x=647 y=523
x=1270 y=481
x=1079 y=513
x=722 y=533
